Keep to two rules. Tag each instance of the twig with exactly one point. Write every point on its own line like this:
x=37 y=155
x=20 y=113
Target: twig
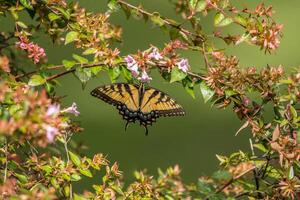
x=166 y=21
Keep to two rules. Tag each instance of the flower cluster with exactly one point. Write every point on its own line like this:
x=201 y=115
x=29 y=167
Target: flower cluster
x=34 y=51
x=139 y=64
x=4 y=64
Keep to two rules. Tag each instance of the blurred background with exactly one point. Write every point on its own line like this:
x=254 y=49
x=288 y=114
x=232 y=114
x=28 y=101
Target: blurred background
x=191 y=141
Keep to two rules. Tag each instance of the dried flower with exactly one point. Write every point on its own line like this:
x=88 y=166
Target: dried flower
x=72 y=109
x=183 y=65
x=4 y=64
x=145 y=77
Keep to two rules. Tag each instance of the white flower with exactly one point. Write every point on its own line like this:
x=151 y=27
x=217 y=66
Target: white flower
x=155 y=54
x=145 y=77
x=50 y=133
x=72 y=109
x=53 y=110
x=130 y=61
x=183 y=65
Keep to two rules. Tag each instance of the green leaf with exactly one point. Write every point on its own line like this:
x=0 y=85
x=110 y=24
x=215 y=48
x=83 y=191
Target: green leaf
x=52 y=17
x=193 y=3
x=47 y=169
x=54 y=183
x=80 y=58
x=114 y=73
x=71 y=36
x=21 y=24
x=22 y=178
x=113 y=5
x=36 y=80
x=291 y=173
x=222 y=175
x=240 y=20
x=95 y=70
x=188 y=85
x=68 y=64
x=26 y=4
x=89 y=51
x=86 y=172
x=201 y=5
x=230 y=93
x=75 y=159
x=177 y=75
x=221 y=21
x=260 y=147
x=77 y=197
x=83 y=75
x=65 y=13
x=126 y=74
x=206 y=91
x=75 y=177
x=156 y=19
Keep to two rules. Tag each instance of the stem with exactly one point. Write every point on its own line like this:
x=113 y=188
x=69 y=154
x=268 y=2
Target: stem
x=6 y=160
x=68 y=160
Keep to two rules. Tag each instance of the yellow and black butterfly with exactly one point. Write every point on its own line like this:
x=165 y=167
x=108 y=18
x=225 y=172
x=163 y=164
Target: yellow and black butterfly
x=137 y=103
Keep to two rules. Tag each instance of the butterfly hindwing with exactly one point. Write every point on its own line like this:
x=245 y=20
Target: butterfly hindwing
x=161 y=103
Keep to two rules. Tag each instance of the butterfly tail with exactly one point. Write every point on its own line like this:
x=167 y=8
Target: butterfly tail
x=127 y=123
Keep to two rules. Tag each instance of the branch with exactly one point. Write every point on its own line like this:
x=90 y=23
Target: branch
x=230 y=182
x=166 y=21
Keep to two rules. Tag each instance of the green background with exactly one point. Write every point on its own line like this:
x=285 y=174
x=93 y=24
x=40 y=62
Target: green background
x=191 y=141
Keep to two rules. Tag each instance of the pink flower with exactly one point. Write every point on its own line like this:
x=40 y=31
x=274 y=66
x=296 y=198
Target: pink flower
x=155 y=54
x=145 y=77
x=51 y=132
x=53 y=110
x=72 y=109
x=132 y=65
x=183 y=65
x=34 y=51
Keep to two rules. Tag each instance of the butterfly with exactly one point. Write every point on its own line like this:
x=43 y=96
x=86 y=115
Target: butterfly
x=138 y=103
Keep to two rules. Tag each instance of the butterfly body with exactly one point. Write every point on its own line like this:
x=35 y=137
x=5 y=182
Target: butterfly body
x=137 y=103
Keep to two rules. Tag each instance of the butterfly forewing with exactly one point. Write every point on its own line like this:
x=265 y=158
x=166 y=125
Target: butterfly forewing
x=118 y=94
x=161 y=103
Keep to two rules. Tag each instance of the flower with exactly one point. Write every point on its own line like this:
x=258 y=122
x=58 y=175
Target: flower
x=183 y=65
x=132 y=65
x=155 y=54
x=53 y=110
x=4 y=64
x=145 y=77
x=72 y=109
x=50 y=132
x=34 y=51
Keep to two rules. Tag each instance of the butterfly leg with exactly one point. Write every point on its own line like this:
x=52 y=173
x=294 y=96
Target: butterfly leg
x=127 y=123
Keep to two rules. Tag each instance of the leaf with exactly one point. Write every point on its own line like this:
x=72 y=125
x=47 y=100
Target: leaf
x=54 y=183
x=77 y=197
x=26 y=4
x=156 y=19
x=75 y=159
x=36 y=80
x=83 y=75
x=114 y=73
x=201 y=5
x=68 y=64
x=89 y=51
x=243 y=38
x=21 y=178
x=240 y=20
x=80 y=58
x=206 y=91
x=113 y=5
x=86 y=172
x=177 y=75
x=71 y=36
x=95 y=70
x=261 y=147
x=222 y=175
x=126 y=74
x=52 y=17
x=291 y=173
x=193 y=4
x=47 y=169
x=221 y=21
x=65 y=13
x=21 y=24
x=75 y=177
x=276 y=133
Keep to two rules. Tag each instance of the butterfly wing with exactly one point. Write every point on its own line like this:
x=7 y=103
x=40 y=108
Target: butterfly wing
x=124 y=96
x=159 y=103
